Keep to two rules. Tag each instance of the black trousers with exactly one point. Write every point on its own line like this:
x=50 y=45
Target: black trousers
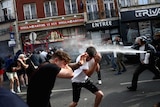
x=140 y=69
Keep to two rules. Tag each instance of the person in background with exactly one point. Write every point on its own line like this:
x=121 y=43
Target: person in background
x=147 y=61
x=31 y=68
x=81 y=78
x=21 y=62
x=112 y=56
x=119 y=57
x=36 y=58
x=43 y=53
x=17 y=54
x=43 y=80
x=1 y=71
x=11 y=68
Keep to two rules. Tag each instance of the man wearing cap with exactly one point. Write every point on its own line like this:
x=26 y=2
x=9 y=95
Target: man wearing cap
x=146 y=61
x=81 y=78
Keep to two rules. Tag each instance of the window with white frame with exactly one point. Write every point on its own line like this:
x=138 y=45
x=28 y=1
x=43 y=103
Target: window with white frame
x=71 y=6
x=8 y=11
x=30 y=11
x=109 y=8
x=126 y=3
x=50 y=8
x=142 y=2
x=92 y=9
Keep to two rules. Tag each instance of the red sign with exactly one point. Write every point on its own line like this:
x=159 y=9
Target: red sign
x=49 y=24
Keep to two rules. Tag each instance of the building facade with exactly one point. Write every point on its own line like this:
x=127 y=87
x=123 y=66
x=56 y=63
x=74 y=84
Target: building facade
x=7 y=28
x=41 y=24
x=48 y=23
x=102 y=19
x=139 y=18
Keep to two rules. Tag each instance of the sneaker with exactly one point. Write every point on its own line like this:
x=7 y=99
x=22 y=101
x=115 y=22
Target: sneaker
x=131 y=88
x=18 y=89
x=99 y=82
x=13 y=91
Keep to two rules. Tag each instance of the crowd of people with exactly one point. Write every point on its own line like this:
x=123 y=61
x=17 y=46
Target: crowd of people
x=27 y=70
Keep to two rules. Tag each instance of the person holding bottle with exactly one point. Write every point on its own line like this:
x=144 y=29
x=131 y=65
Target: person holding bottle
x=147 y=61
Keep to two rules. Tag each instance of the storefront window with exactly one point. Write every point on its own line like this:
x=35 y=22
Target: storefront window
x=131 y=32
x=105 y=35
x=145 y=28
x=96 y=37
x=74 y=32
x=156 y=26
x=100 y=37
x=113 y=33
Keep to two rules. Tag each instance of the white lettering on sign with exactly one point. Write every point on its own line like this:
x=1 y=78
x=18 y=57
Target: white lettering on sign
x=48 y=24
x=147 y=12
x=101 y=24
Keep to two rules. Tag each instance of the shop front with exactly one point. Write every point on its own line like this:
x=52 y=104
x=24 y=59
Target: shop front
x=102 y=30
x=142 y=22
x=50 y=34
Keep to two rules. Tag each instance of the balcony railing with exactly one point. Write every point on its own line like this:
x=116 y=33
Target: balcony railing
x=28 y=17
x=7 y=18
x=71 y=11
x=105 y=14
x=110 y=13
x=93 y=15
x=128 y=3
x=49 y=14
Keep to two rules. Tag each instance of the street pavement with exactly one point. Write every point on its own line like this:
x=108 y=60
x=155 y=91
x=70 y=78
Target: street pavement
x=113 y=87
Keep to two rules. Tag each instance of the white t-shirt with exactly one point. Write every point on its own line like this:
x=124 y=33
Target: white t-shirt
x=142 y=55
x=91 y=62
x=79 y=75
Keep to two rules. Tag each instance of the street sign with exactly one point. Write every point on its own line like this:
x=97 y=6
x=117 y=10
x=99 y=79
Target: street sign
x=32 y=37
x=12 y=36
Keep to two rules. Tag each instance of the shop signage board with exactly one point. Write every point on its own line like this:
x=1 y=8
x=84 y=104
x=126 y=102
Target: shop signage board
x=102 y=24
x=50 y=24
x=140 y=14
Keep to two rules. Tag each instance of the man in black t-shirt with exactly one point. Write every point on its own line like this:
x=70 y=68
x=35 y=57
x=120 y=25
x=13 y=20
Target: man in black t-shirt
x=42 y=81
